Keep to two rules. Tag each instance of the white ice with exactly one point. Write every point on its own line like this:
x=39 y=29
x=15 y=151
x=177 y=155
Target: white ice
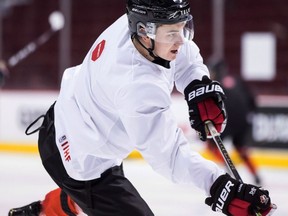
x=24 y=180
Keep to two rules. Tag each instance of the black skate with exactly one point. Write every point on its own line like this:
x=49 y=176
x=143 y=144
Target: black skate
x=33 y=209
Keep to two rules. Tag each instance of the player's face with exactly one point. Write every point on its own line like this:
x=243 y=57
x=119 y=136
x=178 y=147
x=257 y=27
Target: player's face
x=168 y=40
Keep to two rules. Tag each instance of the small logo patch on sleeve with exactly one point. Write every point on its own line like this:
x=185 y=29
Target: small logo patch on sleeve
x=98 y=50
x=65 y=147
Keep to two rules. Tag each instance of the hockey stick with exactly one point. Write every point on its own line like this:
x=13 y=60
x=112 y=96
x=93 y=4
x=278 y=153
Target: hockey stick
x=56 y=21
x=218 y=141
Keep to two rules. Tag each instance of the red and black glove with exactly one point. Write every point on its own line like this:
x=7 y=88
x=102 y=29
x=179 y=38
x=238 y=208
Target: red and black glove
x=232 y=197
x=205 y=101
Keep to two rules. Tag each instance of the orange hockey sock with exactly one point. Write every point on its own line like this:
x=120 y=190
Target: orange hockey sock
x=56 y=203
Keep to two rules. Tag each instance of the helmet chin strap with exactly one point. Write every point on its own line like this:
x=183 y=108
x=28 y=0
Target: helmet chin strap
x=156 y=59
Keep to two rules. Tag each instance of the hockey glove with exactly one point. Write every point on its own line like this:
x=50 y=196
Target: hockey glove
x=231 y=197
x=205 y=102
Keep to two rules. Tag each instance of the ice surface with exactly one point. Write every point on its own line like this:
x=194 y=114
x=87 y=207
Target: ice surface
x=24 y=180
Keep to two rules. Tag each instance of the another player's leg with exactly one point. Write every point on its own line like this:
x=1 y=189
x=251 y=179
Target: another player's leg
x=215 y=151
x=244 y=154
x=239 y=140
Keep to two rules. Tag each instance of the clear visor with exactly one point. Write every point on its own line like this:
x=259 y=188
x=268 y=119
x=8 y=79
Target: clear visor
x=171 y=33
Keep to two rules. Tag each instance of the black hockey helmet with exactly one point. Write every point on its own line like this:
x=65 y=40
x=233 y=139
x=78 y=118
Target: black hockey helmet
x=147 y=13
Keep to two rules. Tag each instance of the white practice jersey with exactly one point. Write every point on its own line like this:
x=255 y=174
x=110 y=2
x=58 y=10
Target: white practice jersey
x=117 y=101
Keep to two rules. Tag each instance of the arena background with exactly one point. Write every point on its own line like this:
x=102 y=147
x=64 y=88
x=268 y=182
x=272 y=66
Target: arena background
x=221 y=27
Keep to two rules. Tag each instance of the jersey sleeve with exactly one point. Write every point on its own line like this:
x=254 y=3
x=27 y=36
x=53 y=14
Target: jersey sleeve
x=189 y=66
x=148 y=119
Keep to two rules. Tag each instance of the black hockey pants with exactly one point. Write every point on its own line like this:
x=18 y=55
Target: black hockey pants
x=110 y=195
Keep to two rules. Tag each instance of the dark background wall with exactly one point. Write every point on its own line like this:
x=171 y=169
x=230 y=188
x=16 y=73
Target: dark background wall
x=23 y=23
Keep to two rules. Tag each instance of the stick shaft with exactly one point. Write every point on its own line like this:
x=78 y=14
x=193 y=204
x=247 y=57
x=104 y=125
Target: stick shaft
x=217 y=139
x=29 y=48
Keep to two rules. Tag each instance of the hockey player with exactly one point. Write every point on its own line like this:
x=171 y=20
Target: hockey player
x=118 y=100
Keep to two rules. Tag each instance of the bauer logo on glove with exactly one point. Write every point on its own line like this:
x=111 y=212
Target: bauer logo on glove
x=215 y=87
x=205 y=101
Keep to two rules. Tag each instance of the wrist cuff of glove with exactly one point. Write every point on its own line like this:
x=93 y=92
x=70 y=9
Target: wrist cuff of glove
x=222 y=180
